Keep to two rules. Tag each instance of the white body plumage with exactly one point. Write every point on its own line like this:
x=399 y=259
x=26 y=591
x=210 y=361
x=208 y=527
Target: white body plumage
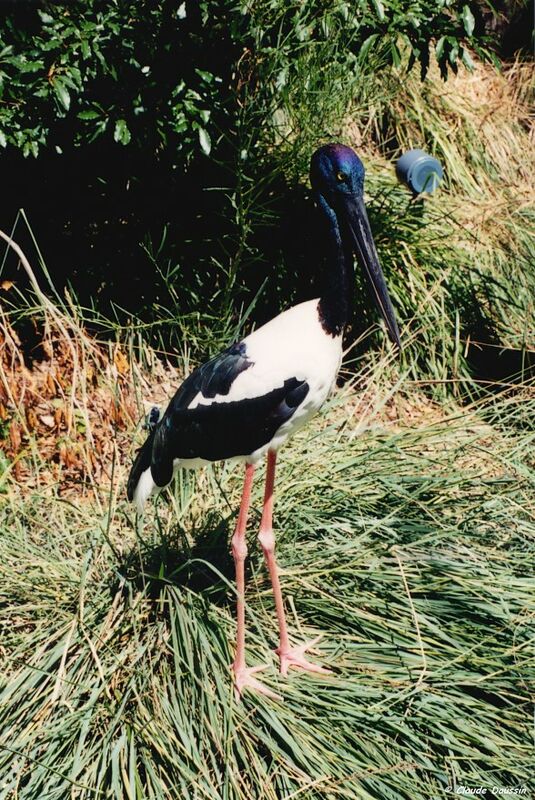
x=291 y=345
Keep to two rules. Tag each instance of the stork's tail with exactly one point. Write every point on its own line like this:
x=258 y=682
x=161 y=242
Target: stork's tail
x=140 y=484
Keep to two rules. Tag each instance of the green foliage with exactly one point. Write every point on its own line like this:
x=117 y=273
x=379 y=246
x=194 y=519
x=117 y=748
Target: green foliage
x=161 y=74
x=119 y=70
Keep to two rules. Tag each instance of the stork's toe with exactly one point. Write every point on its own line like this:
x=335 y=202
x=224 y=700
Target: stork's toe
x=244 y=679
x=295 y=657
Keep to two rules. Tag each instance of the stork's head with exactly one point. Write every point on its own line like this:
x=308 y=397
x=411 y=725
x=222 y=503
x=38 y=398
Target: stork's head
x=337 y=178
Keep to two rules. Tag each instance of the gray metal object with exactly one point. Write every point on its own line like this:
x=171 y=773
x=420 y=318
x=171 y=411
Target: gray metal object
x=419 y=171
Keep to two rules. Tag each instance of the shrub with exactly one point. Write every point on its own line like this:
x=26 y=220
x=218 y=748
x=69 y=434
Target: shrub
x=156 y=74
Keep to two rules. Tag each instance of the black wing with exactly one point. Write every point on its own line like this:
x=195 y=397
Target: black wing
x=220 y=430
x=214 y=377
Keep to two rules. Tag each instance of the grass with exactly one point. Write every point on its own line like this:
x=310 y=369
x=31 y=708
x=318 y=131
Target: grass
x=408 y=542
x=405 y=514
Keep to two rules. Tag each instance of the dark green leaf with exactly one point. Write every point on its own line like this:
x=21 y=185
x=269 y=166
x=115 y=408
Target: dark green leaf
x=468 y=20
x=89 y=114
x=62 y=93
x=205 y=142
x=379 y=9
x=367 y=44
x=121 y=133
x=467 y=59
x=439 y=48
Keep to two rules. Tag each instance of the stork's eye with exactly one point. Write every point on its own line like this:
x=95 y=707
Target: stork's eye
x=341 y=177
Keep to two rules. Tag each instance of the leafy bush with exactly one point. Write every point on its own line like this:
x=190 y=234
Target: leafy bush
x=160 y=75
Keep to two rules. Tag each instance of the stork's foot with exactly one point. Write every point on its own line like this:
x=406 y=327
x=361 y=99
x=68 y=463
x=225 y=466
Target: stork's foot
x=294 y=657
x=243 y=679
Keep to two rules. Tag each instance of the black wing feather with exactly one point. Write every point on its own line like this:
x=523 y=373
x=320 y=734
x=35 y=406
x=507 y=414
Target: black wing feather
x=220 y=430
x=215 y=377
x=223 y=430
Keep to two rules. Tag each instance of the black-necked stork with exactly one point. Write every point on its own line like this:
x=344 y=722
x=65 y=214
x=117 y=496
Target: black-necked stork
x=247 y=401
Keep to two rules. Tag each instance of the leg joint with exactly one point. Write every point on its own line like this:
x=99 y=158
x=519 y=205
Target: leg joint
x=266 y=537
x=239 y=548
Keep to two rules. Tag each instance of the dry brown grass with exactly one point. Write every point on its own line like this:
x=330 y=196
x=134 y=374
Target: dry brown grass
x=69 y=414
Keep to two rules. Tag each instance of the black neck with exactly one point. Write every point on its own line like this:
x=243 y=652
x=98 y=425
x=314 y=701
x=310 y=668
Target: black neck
x=335 y=301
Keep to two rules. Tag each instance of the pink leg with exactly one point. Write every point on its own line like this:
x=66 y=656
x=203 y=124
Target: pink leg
x=243 y=676
x=289 y=656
